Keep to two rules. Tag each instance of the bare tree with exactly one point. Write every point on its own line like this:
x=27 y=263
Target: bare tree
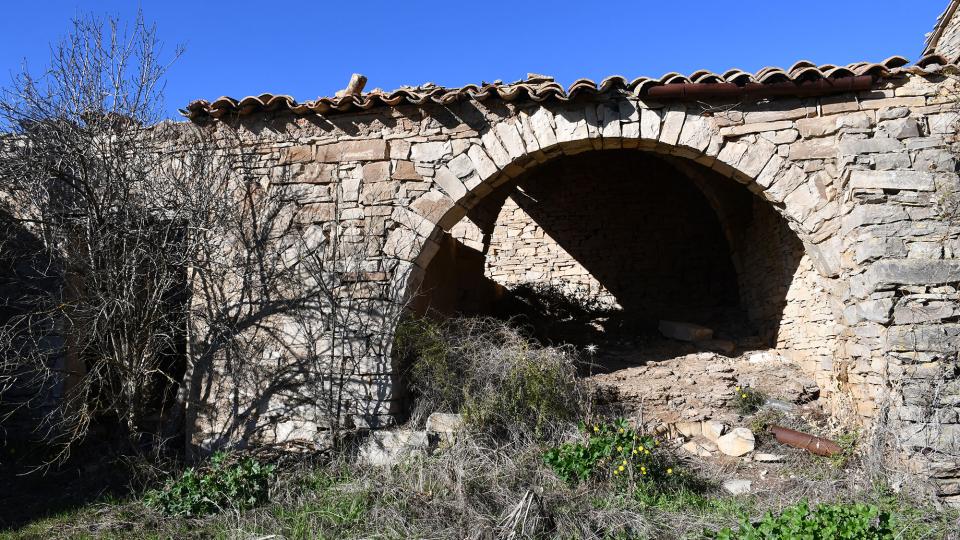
x=152 y=275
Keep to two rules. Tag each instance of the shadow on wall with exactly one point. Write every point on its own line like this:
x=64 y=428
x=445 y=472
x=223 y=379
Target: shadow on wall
x=639 y=236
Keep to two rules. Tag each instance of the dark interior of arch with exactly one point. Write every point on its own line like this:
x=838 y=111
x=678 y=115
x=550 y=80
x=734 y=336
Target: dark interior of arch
x=636 y=237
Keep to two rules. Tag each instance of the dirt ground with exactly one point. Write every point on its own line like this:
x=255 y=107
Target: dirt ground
x=670 y=388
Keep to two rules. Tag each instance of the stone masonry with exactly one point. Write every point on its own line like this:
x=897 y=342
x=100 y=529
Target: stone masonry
x=853 y=208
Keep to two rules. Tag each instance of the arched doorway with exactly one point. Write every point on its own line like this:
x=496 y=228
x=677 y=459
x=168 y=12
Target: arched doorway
x=639 y=237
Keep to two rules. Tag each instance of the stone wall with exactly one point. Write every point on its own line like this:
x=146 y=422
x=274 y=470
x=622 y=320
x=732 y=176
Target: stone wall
x=947 y=33
x=623 y=228
x=863 y=180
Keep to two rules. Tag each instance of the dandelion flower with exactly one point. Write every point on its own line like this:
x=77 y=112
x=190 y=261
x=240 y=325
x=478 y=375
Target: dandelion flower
x=621 y=430
x=596 y=428
x=616 y=472
x=620 y=468
x=634 y=451
x=738 y=389
x=641 y=447
x=744 y=396
x=619 y=449
x=624 y=462
x=669 y=471
x=646 y=452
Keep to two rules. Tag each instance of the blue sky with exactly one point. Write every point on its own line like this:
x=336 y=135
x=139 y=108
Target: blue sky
x=309 y=49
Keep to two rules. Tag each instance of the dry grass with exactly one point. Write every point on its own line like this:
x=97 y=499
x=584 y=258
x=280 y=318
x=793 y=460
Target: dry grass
x=492 y=482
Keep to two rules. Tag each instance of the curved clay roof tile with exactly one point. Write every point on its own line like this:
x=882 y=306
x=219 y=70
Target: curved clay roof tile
x=836 y=72
x=932 y=59
x=613 y=82
x=541 y=89
x=738 y=77
x=774 y=75
x=811 y=73
x=895 y=62
x=643 y=85
x=703 y=76
x=800 y=65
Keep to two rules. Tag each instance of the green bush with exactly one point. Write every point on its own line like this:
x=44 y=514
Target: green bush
x=611 y=450
x=825 y=522
x=197 y=492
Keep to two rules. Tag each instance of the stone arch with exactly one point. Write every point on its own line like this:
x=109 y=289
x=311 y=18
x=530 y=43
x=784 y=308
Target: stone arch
x=510 y=145
x=506 y=146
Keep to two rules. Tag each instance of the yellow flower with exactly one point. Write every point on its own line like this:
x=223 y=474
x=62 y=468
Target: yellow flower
x=634 y=451
x=621 y=430
x=624 y=462
x=643 y=470
x=640 y=447
x=616 y=472
x=738 y=389
x=619 y=449
x=656 y=443
x=744 y=396
x=596 y=428
x=669 y=471
x=620 y=468
x=646 y=452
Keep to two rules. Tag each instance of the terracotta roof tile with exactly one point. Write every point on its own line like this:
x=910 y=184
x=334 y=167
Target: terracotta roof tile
x=540 y=88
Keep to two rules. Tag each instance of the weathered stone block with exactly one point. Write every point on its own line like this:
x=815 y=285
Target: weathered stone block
x=359 y=150
x=738 y=442
x=813 y=149
x=430 y=151
x=900 y=128
x=817 y=127
x=869 y=146
x=737 y=131
x=684 y=331
x=912 y=180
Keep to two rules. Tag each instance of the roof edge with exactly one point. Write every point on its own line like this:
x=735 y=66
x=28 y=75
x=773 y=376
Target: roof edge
x=933 y=39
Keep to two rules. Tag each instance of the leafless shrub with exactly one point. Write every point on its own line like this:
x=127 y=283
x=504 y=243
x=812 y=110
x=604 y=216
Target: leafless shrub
x=150 y=271
x=504 y=383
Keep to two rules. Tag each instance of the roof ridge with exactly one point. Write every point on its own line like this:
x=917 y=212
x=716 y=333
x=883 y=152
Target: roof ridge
x=540 y=88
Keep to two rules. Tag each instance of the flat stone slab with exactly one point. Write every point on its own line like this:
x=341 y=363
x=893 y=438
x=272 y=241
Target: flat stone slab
x=684 y=331
x=737 y=486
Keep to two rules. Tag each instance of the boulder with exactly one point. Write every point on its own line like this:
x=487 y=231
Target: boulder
x=700 y=447
x=738 y=442
x=736 y=486
x=712 y=429
x=444 y=423
x=718 y=345
x=688 y=429
x=442 y=427
x=387 y=448
x=683 y=331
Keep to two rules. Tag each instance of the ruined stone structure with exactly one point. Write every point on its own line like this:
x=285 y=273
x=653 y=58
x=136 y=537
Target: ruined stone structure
x=820 y=201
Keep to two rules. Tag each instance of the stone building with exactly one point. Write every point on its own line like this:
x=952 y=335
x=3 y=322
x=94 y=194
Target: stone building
x=819 y=201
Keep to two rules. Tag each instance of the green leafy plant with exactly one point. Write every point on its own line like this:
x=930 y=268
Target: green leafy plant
x=198 y=492
x=848 y=448
x=748 y=400
x=611 y=450
x=825 y=522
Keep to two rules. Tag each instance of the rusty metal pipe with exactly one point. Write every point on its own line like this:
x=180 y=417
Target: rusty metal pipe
x=805 y=441
x=695 y=91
